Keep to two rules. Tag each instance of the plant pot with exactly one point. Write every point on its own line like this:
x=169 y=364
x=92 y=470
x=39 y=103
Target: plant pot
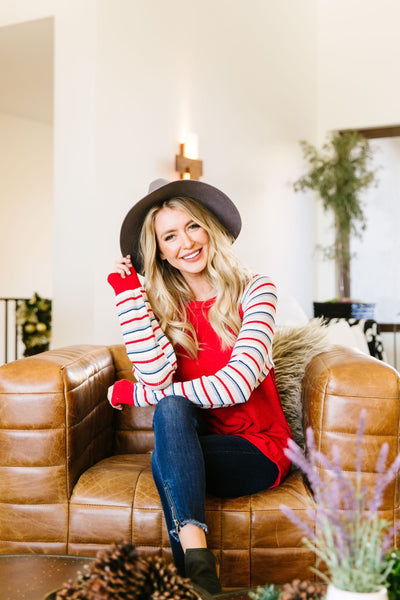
x=335 y=593
x=344 y=310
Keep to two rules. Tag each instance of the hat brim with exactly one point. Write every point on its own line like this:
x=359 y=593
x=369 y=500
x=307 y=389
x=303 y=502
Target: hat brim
x=212 y=198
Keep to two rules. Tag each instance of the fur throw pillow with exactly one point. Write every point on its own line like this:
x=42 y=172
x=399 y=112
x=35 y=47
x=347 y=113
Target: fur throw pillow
x=292 y=350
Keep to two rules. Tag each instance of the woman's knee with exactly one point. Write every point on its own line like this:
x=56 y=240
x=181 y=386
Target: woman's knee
x=172 y=410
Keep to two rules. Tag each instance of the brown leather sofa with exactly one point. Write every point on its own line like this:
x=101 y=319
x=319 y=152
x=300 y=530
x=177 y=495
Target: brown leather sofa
x=75 y=474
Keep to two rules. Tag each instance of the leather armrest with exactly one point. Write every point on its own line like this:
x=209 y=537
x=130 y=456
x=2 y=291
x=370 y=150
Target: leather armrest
x=55 y=421
x=337 y=386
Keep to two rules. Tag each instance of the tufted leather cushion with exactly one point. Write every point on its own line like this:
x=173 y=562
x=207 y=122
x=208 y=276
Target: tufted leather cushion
x=133 y=430
x=244 y=533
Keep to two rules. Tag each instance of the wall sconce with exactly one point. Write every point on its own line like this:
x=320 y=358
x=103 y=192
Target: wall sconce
x=187 y=162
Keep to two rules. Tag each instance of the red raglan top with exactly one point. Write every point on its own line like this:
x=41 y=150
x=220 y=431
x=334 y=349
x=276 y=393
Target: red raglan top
x=260 y=420
x=237 y=383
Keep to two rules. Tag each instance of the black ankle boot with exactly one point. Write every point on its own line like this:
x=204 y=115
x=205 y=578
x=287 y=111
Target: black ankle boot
x=201 y=569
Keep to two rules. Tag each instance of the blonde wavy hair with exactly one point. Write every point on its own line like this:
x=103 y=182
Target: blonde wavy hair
x=169 y=293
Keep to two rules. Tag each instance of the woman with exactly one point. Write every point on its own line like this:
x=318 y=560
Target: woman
x=204 y=357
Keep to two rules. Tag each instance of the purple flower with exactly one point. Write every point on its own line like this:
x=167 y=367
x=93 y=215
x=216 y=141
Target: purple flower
x=349 y=536
x=295 y=454
x=383 y=481
x=380 y=466
x=388 y=538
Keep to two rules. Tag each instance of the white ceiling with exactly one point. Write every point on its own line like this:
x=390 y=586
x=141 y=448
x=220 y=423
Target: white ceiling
x=26 y=70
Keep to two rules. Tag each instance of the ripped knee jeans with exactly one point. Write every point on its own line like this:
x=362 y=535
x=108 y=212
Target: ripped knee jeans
x=178 y=467
x=187 y=460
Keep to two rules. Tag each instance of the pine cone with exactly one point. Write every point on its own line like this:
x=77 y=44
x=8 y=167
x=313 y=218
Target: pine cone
x=163 y=582
x=70 y=591
x=113 y=574
x=302 y=590
x=119 y=573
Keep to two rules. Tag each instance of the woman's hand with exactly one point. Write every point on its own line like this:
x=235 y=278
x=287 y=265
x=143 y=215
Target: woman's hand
x=109 y=396
x=123 y=265
x=124 y=277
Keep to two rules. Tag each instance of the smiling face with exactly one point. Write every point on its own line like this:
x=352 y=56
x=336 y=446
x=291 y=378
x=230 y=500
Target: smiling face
x=182 y=242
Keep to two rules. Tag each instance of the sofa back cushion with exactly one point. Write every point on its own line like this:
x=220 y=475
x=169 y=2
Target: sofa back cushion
x=133 y=428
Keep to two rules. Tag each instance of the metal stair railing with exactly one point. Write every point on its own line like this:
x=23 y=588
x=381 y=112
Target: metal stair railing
x=11 y=335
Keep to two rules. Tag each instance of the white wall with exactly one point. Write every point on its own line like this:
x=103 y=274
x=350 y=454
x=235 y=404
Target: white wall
x=231 y=79
x=12 y=11
x=76 y=209
x=358 y=81
x=359 y=55
x=129 y=78
x=26 y=207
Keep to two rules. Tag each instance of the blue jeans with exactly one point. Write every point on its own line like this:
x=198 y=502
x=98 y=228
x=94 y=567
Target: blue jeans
x=187 y=461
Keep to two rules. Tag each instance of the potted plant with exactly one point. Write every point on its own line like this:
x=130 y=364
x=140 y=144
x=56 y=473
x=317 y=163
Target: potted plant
x=339 y=173
x=349 y=536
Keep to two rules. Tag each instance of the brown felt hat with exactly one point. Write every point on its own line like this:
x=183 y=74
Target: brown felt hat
x=160 y=190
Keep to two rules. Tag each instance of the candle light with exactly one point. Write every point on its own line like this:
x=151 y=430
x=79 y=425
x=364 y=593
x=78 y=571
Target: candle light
x=187 y=163
x=191 y=146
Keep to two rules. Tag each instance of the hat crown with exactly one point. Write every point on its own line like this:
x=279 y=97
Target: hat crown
x=157 y=184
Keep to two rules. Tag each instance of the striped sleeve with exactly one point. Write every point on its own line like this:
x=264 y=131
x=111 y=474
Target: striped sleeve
x=148 y=348
x=250 y=362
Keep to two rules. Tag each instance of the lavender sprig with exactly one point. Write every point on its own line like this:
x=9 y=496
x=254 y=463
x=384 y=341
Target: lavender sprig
x=348 y=536
x=383 y=481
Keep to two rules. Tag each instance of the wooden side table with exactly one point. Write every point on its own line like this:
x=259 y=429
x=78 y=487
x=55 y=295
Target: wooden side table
x=32 y=576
